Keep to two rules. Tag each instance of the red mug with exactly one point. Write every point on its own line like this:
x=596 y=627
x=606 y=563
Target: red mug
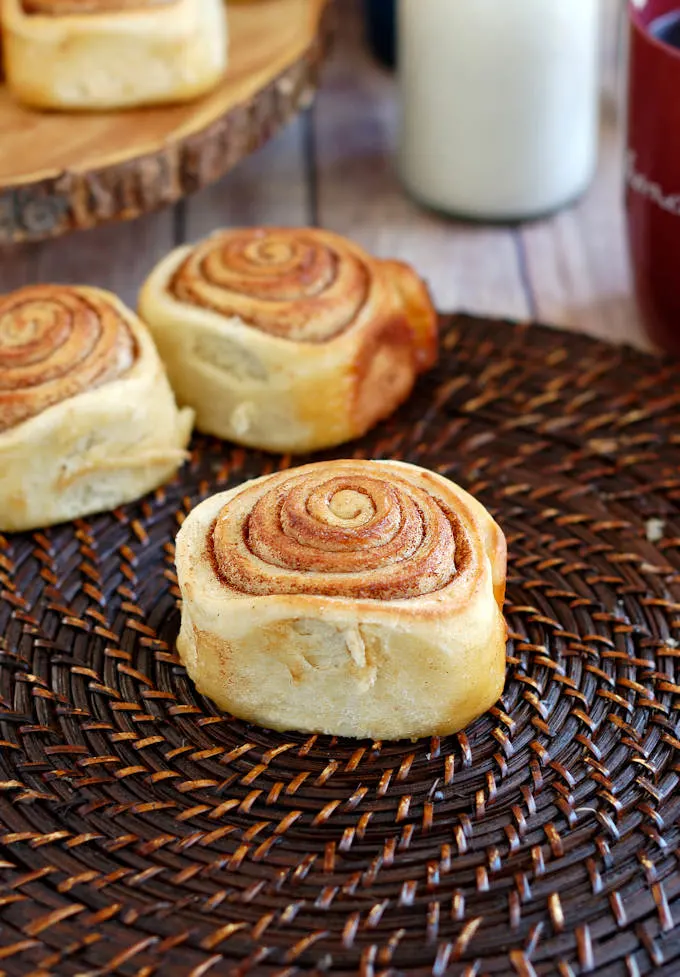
x=653 y=166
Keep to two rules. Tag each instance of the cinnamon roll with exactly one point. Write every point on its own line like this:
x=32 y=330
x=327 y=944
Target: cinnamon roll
x=356 y=598
x=107 y=54
x=87 y=417
x=288 y=339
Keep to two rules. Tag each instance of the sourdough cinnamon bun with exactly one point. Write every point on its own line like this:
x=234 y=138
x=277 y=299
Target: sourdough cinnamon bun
x=56 y=342
x=288 y=339
x=87 y=417
x=357 y=598
x=107 y=54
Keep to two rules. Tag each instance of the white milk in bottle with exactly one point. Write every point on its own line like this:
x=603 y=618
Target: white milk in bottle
x=499 y=104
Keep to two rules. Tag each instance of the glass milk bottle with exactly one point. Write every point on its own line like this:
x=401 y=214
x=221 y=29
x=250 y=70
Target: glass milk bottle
x=499 y=104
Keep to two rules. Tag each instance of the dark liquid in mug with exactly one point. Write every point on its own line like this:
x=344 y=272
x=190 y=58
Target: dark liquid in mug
x=667 y=28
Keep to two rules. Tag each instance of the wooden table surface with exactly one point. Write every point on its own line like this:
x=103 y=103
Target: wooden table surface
x=334 y=167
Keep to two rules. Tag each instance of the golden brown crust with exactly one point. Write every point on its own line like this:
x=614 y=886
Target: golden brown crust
x=419 y=312
x=64 y=8
x=55 y=342
x=341 y=530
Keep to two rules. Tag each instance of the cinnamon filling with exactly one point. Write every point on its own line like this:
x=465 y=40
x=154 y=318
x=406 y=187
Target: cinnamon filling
x=287 y=283
x=357 y=534
x=56 y=342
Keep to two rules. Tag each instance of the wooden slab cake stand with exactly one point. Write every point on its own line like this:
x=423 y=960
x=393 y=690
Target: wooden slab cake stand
x=62 y=171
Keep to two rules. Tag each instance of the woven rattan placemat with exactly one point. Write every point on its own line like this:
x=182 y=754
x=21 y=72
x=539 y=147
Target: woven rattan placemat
x=144 y=834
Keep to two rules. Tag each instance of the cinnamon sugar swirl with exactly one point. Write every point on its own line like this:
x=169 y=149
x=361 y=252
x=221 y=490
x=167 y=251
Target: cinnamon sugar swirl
x=356 y=598
x=108 y=54
x=87 y=417
x=288 y=339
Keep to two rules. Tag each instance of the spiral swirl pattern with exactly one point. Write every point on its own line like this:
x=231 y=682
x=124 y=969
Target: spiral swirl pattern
x=305 y=286
x=352 y=530
x=56 y=342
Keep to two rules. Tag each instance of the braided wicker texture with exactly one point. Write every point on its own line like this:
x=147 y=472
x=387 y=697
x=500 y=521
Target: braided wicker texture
x=144 y=834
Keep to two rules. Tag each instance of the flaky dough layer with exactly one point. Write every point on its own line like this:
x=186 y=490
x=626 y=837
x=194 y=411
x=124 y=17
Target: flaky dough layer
x=313 y=601
x=88 y=420
x=109 y=58
x=288 y=339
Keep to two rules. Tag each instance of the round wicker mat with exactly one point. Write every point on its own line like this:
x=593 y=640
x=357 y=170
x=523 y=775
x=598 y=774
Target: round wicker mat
x=144 y=834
